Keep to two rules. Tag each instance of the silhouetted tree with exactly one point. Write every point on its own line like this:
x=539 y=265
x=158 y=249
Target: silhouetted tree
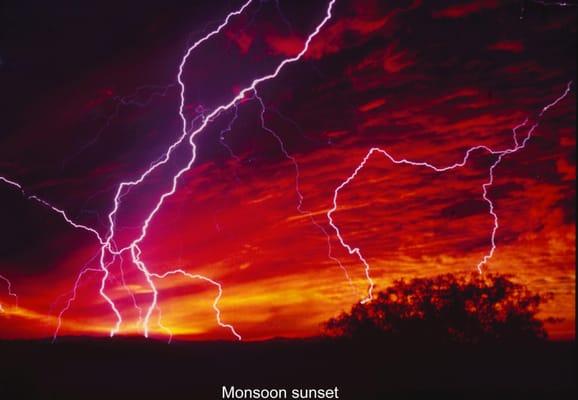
x=447 y=308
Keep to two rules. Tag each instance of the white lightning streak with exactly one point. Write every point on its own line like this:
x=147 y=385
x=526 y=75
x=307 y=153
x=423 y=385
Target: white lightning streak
x=501 y=153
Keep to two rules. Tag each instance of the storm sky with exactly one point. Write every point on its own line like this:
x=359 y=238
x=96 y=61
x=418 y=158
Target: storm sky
x=89 y=99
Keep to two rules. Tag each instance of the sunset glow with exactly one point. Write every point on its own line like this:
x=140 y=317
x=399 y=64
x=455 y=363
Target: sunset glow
x=412 y=77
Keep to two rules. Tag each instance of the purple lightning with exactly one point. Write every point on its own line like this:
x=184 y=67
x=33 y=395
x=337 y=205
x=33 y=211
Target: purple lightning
x=120 y=102
x=108 y=250
x=52 y=208
x=10 y=292
x=215 y=302
x=300 y=196
x=133 y=247
x=500 y=153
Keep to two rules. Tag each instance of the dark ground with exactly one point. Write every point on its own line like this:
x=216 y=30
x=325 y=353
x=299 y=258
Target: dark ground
x=134 y=369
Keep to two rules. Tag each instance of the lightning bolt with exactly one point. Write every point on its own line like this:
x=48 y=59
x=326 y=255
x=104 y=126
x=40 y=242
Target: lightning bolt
x=9 y=289
x=226 y=130
x=300 y=196
x=120 y=102
x=133 y=247
x=500 y=155
x=179 y=271
x=109 y=251
x=71 y=299
x=54 y=209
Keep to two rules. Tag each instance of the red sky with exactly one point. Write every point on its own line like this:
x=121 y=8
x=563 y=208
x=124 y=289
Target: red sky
x=423 y=81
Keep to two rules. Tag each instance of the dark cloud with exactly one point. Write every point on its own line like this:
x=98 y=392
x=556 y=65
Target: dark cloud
x=89 y=99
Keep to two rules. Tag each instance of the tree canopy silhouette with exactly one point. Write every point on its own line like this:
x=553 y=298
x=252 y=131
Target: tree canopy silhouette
x=446 y=308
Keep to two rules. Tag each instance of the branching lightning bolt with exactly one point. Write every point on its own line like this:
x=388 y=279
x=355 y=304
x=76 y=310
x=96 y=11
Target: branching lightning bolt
x=500 y=155
x=108 y=250
x=300 y=196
